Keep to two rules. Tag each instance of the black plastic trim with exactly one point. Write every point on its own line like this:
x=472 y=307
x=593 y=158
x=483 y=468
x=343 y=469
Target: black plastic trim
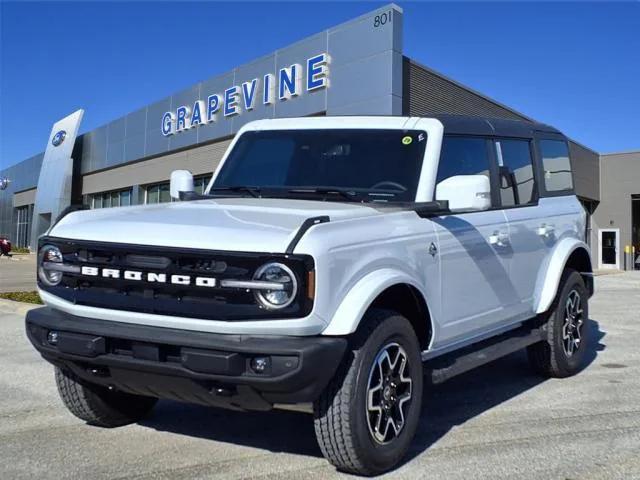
x=317 y=359
x=306 y=225
x=431 y=209
x=444 y=367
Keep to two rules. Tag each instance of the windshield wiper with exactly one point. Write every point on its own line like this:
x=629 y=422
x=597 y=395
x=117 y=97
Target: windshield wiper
x=253 y=191
x=348 y=194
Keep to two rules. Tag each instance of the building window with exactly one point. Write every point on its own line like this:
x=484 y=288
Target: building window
x=556 y=165
x=116 y=198
x=200 y=184
x=158 y=193
x=517 y=183
x=23 y=226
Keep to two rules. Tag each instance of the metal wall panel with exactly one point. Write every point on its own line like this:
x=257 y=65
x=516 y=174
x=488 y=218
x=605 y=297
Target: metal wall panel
x=134 y=146
x=115 y=153
x=26 y=197
x=376 y=72
x=619 y=180
x=217 y=129
x=94 y=150
x=430 y=93
x=187 y=137
x=155 y=142
x=199 y=160
x=136 y=122
x=307 y=103
x=256 y=69
x=23 y=176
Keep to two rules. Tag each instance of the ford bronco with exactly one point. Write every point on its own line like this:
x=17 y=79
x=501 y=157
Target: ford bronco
x=332 y=264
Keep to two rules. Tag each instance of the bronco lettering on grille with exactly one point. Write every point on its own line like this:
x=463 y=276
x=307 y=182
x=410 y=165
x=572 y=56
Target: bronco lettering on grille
x=150 y=277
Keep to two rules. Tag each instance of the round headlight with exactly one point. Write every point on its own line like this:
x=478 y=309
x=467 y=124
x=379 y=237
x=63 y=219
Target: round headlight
x=279 y=274
x=49 y=254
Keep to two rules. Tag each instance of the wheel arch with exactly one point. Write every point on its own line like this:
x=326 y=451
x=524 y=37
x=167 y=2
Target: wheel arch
x=388 y=290
x=568 y=253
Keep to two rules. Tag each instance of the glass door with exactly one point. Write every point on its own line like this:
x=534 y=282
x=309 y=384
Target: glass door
x=609 y=248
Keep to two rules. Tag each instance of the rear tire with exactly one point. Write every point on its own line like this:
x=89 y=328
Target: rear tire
x=97 y=405
x=367 y=416
x=563 y=351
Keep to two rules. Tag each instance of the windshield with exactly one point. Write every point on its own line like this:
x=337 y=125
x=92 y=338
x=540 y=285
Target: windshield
x=365 y=164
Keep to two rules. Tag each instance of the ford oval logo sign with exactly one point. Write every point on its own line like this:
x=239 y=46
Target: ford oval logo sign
x=58 y=138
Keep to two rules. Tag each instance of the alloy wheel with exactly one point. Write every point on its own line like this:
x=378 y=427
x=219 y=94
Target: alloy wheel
x=389 y=393
x=573 y=323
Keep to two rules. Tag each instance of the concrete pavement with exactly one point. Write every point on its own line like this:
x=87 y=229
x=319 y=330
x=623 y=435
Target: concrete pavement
x=18 y=273
x=498 y=422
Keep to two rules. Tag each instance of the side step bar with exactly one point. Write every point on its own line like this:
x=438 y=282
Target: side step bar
x=451 y=364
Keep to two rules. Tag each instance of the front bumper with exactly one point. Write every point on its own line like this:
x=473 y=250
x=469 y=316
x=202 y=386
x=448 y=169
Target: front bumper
x=199 y=367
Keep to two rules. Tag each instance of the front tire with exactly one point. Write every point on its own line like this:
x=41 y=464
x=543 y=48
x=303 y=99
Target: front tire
x=563 y=351
x=97 y=405
x=366 y=418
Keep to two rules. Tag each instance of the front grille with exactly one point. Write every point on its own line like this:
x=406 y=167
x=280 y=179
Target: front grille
x=219 y=303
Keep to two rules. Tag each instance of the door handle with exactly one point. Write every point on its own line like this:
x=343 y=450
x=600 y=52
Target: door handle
x=499 y=239
x=545 y=230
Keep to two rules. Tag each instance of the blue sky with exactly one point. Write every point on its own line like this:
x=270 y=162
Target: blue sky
x=573 y=65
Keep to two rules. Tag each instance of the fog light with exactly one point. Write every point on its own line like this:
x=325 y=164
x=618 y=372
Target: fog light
x=260 y=364
x=52 y=338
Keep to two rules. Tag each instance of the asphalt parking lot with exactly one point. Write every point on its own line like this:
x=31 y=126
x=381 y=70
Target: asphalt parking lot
x=500 y=421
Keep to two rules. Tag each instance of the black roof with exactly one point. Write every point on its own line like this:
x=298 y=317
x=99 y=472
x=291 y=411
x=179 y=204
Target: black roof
x=476 y=125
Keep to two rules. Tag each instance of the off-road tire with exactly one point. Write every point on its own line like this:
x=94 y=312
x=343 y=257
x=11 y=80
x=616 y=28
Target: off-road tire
x=548 y=357
x=99 y=406
x=340 y=414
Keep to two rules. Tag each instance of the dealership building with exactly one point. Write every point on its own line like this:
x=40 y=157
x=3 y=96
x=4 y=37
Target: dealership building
x=355 y=68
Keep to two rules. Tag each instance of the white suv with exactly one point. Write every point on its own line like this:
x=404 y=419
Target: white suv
x=330 y=264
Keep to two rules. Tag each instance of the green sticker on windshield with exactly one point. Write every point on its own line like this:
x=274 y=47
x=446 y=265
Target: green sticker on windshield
x=407 y=140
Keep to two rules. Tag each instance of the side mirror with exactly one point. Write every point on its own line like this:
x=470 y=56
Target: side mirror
x=181 y=182
x=465 y=192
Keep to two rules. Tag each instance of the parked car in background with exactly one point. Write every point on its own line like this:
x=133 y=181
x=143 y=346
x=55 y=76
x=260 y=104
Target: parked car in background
x=331 y=264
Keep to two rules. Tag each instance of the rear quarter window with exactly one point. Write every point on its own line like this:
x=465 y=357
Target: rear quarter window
x=556 y=165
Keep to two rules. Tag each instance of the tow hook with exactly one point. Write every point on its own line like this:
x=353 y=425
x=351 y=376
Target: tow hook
x=99 y=371
x=220 y=391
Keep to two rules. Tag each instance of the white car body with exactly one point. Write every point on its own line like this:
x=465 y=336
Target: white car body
x=472 y=286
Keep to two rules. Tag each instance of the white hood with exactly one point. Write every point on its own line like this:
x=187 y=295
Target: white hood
x=232 y=224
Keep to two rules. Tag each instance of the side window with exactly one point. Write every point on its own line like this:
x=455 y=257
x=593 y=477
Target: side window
x=515 y=166
x=556 y=165
x=463 y=156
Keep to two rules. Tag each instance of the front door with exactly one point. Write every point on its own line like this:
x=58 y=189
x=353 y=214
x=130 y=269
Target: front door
x=609 y=247
x=475 y=250
x=477 y=292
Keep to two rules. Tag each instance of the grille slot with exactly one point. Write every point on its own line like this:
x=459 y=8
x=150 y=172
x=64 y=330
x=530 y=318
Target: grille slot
x=144 y=261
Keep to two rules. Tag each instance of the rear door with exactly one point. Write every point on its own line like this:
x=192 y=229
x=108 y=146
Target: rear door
x=561 y=213
x=528 y=221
